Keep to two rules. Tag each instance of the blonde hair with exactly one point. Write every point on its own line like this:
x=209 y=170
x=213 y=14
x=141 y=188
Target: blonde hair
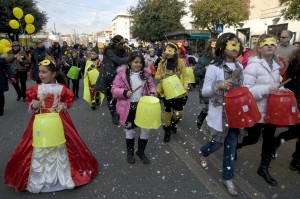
x=256 y=48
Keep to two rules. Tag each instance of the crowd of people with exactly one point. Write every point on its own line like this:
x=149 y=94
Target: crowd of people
x=121 y=74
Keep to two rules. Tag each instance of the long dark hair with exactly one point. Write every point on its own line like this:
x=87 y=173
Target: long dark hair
x=132 y=57
x=176 y=56
x=221 y=46
x=208 y=49
x=60 y=76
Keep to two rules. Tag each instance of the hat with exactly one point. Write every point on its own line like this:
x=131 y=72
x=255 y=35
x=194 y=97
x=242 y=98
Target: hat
x=39 y=41
x=151 y=49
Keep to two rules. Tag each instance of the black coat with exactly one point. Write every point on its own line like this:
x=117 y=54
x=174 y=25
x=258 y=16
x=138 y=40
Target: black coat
x=5 y=74
x=293 y=72
x=38 y=55
x=112 y=59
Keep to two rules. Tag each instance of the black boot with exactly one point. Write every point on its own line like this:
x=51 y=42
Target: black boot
x=141 y=151
x=201 y=118
x=295 y=165
x=167 y=133
x=263 y=170
x=130 y=151
x=115 y=118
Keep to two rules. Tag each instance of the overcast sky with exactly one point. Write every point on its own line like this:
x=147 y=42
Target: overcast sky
x=83 y=16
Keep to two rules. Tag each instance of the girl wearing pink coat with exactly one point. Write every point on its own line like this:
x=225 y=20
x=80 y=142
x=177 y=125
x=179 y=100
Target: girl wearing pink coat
x=129 y=78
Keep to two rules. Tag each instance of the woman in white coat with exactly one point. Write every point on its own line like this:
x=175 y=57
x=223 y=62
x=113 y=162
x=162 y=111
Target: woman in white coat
x=262 y=78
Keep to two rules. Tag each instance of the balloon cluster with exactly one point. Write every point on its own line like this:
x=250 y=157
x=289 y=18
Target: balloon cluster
x=5 y=46
x=29 y=19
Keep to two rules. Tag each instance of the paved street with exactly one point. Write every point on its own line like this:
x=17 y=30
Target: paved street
x=174 y=171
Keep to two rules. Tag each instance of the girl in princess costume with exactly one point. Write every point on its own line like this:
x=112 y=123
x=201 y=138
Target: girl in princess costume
x=50 y=168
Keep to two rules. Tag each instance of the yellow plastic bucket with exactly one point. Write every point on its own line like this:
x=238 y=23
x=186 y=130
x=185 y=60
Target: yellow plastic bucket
x=172 y=87
x=148 y=113
x=93 y=76
x=73 y=72
x=191 y=75
x=48 y=130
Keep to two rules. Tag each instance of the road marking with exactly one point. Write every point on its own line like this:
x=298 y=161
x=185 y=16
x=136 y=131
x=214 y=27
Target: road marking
x=243 y=184
x=213 y=187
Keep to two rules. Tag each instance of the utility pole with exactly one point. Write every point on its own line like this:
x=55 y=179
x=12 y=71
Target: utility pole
x=54 y=29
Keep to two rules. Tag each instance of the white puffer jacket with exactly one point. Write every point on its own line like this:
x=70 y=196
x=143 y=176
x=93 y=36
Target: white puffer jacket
x=259 y=77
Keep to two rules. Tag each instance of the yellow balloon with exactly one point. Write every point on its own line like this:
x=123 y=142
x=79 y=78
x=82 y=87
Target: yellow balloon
x=18 y=12
x=5 y=42
x=6 y=50
x=29 y=18
x=14 y=24
x=30 y=28
x=1 y=47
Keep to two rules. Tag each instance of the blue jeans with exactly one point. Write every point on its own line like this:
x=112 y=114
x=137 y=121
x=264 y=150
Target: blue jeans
x=210 y=147
x=229 y=153
x=230 y=143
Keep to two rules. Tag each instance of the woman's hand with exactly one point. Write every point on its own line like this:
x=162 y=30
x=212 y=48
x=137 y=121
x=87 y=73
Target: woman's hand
x=162 y=74
x=225 y=85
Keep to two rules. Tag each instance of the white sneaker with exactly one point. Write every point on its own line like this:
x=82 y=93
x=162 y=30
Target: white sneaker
x=231 y=187
x=203 y=162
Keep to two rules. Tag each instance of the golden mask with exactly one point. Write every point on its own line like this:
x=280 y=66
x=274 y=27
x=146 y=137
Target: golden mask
x=170 y=51
x=213 y=44
x=231 y=45
x=268 y=41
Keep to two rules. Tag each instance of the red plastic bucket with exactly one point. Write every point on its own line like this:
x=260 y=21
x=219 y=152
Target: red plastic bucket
x=241 y=108
x=282 y=109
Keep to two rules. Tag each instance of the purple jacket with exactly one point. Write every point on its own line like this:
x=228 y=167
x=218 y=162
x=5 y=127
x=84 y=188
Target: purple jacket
x=120 y=84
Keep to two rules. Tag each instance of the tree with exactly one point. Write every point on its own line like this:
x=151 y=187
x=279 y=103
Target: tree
x=208 y=13
x=28 y=7
x=152 y=19
x=291 y=12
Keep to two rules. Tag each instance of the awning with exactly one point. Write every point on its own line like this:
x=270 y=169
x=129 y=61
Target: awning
x=203 y=36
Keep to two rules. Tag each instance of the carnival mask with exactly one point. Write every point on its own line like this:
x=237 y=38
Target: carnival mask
x=254 y=39
x=170 y=51
x=231 y=45
x=213 y=44
x=268 y=41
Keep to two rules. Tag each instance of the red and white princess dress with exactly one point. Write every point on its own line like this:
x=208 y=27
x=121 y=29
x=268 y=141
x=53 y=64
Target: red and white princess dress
x=48 y=169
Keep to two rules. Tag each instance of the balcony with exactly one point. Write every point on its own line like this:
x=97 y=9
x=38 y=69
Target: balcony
x=272 y=12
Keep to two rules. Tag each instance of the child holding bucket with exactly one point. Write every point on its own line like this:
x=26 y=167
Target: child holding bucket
x=172 y=65
x=217 y=82
x=129 y=79
x=76 y=62
x=262 y=78
x=43 y=162
x=91 y=74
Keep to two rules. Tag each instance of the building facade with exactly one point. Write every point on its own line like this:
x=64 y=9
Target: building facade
x=265 y=17
x=121 y=24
